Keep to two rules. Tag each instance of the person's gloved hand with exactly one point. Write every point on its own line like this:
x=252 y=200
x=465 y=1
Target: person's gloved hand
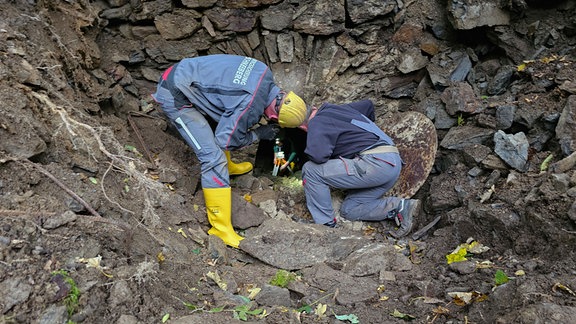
x=267 y=132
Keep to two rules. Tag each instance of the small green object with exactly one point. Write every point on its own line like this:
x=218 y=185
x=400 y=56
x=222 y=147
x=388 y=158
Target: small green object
x=72 y=297
x=306 y=309
x=165 y=318
x=93 y=180
x=129 y=148
x=190 y=306
x=460 y=120
x=546 y=162
x=282 y=278
x=196 y=251
x=352 y=318
x=500 y=277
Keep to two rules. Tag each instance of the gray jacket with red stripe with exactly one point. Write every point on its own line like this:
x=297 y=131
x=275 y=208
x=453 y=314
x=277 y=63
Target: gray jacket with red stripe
x=232 y=90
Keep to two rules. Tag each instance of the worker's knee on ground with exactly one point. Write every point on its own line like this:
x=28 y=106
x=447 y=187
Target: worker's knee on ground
x=347 y=212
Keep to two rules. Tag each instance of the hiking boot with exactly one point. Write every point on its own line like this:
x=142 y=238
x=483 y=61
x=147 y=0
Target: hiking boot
x=404 y=215
x=331 y=223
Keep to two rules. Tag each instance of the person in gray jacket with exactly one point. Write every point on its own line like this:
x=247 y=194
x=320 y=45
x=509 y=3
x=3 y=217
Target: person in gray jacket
x=234 y=92
x=347 y=150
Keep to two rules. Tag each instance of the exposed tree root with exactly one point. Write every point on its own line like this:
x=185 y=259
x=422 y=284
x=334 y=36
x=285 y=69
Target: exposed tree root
x=76 y=129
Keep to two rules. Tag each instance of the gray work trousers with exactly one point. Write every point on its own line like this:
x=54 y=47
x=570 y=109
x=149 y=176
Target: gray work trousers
x=366 y=178
x=198 y=134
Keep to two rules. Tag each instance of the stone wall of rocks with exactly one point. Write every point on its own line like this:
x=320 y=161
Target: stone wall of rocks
x=325 y=50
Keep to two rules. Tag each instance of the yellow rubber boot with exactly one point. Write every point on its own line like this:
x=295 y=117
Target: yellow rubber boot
x=237 y=168
x=219 y=210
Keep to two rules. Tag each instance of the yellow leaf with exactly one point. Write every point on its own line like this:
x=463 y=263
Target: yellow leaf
x=320 y=309
x=160 y=257
x=561 y=286
x=458 y=256
x=181 y=231
x=384 y=298
x=521 y=67
x=520 y=273
x=196 y=207
x=253 y=292
x=248 y=198
x=216 y=277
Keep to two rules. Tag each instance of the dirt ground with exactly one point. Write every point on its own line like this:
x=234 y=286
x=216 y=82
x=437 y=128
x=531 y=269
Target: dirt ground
x=109 y=203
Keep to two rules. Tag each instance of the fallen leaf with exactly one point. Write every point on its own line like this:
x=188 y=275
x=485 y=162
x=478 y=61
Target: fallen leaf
x=320 y=309
x=253 y=292
x=181 y=231
x=216 y=278
x=352 y=318
x=403 y=316
x=500 y=277
x=160 y=257
x=465 y=298
x=457 y=256
x=94 y=263
x=561 y=286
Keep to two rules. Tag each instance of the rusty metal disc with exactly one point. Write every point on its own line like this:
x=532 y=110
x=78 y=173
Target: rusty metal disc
x=415 y=136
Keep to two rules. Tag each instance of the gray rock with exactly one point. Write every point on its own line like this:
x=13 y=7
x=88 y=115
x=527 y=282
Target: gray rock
x=54 y=314
x=566 y=128
x=352 y=289
x=505 y=116
x=512 y=149
x=277 y=18
x=469 y=14
x=361 y=11
x=373 y=258
x=463 y=136
x=59 y=220
x=459 y=97
x=501 y=80
x=322 y=17
x=178 y=24
x=273 y=295
x=14 y=291
x=290 y=245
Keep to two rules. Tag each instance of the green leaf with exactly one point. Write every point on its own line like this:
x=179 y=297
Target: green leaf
x=165 y=318
x=190 y=306
x=242 y=316
x=93 y=180
x=129 y=148
x=546 y=162
x=350 y=317
x=401 y=315
x=306 y=309
x=500 y=277
x=216 y=310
